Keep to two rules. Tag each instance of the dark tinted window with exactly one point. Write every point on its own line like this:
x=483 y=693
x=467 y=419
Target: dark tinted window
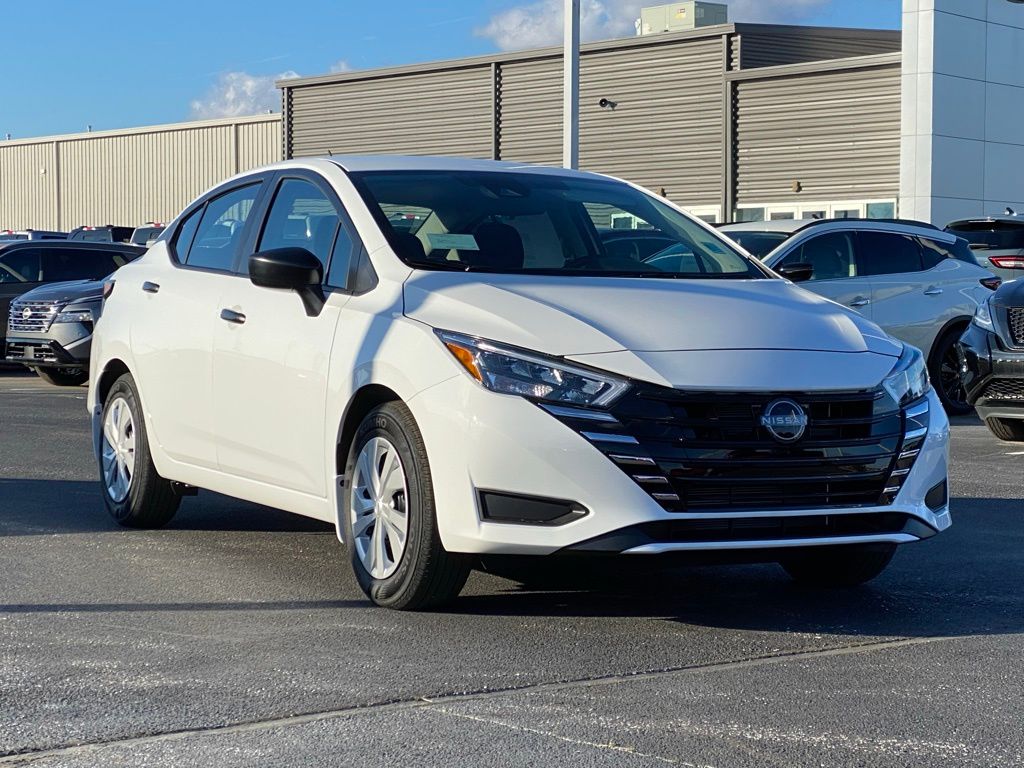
x=219 y=234
x=93 y=236
x=885 y=253
x=341 y=259
x=73 y=264
x=934 y=253
x=758 y=243
x=301 y=216
x=186 y=233
x=832 y=255
x=22 y=265
x=997 y=235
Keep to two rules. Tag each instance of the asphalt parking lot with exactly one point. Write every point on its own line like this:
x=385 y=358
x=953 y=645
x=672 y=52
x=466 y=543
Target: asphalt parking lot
x=237 y=637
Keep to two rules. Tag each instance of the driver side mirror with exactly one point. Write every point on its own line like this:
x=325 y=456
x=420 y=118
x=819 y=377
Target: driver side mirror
x=292 y=269
x=798 y=273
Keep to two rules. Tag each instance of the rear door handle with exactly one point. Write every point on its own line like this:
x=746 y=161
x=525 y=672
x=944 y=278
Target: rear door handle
x=232 y=317
x=149 y=287
x=933 y=291
x=860 y=301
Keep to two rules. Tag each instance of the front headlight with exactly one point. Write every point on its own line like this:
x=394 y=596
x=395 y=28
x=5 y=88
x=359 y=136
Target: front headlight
x=983 y=315
x=514 y=371
x=908 y=380
x=74 y=316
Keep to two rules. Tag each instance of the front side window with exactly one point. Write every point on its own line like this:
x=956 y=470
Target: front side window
x=532 y=223
x=887 y=253
x=219 y=232
x=301 y=216
x=20 y=266
x=831 y=254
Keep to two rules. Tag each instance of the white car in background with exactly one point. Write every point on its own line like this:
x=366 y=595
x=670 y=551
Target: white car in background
x=918 y=283
x=488 y=381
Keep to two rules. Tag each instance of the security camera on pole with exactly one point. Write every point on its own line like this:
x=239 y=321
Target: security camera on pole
x=571 y=87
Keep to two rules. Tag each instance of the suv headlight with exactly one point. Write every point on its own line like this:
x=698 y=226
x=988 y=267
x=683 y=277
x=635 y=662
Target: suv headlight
x=74 y=316
x=983 y=315
x=514 y=371
x=908 y=380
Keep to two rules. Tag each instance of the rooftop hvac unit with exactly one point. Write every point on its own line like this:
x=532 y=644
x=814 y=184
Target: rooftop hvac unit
x=678 y=17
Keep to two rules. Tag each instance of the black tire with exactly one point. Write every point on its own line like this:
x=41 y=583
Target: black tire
x=944 y=370
x=847 y=566
x=427 y=575
x=151 y=501
x=63 y=377
x=1010 y=430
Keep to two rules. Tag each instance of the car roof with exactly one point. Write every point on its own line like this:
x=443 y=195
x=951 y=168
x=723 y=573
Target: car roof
x=780 y=225
x=365 y=163
x=75 y=245
x=793 y=226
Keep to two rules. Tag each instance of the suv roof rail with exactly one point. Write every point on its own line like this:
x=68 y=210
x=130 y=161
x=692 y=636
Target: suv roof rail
x=907 y=222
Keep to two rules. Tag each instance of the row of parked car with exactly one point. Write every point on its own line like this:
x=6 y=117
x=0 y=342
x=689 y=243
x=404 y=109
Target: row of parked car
x=106 y=233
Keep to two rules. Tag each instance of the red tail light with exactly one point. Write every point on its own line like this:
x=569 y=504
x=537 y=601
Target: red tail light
x=992 y=283
x=108 y=288
x=1007 y=262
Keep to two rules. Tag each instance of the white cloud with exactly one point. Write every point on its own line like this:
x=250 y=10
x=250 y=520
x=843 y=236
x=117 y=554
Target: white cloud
x=340 y=66
x=539 y=23
x=239 y=93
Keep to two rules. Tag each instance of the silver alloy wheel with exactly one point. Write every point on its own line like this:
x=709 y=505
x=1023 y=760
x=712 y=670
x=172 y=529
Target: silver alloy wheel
x=379 y=508
x=118 y=450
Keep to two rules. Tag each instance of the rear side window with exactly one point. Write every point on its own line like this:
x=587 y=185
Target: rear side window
x=886 y=253
x=934 y=253
x=301 y=216
x=995 y=235
x=219 y=233
x=20 y=266
x=74 y=264
x=832 y=255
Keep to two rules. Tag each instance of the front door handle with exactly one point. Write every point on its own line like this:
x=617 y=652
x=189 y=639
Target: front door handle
x=860 y=301
x=933 y=291
x=149 y=287
x=232 y=317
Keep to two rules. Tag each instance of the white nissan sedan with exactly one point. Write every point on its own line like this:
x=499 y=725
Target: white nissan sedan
x=441 y=358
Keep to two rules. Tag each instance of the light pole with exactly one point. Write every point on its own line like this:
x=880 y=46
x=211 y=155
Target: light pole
x=571 y=87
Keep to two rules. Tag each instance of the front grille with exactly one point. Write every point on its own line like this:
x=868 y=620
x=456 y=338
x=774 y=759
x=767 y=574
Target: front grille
x=37 y=319
x=1004 y=389
x=1015 y=318
x=17 y=350
x=709 y=451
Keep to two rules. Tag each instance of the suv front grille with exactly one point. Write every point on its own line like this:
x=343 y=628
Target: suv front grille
x=1015 y=316
x=37 y=319
x=1004 y=389
x=709 y=452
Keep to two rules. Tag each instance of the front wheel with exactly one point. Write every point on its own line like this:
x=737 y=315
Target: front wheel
x=846 y=566
x=945 y=374
x=63 y=377
x=1010 y=430
x=390 y=519
x=136 y=496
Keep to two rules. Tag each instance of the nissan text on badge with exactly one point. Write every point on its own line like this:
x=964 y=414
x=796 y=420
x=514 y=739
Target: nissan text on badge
x=442 y=358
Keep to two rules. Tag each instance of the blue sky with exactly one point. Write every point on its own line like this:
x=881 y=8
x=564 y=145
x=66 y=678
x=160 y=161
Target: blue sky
x=120 y=63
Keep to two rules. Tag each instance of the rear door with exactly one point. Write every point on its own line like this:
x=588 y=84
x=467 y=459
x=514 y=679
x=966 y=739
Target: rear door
x=837 y=275
x=20 y=272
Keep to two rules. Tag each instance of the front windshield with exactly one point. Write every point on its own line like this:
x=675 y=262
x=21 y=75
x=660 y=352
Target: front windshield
x=759 y=244
x=535 y=223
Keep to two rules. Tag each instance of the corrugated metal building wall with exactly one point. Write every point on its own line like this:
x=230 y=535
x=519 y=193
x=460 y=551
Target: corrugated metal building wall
x=127 y=177
x=679 y=120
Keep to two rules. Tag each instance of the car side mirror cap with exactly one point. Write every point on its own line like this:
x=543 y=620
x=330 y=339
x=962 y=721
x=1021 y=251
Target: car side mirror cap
x=798 y=273
x=294 y=269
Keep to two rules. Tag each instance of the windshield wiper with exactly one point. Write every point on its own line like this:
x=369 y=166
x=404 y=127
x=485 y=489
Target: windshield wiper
x=445 y=266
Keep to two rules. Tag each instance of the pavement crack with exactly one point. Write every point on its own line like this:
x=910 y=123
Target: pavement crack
x=25 y=757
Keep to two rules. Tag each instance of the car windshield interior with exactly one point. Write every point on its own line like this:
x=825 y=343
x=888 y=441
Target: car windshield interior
x=532 y=223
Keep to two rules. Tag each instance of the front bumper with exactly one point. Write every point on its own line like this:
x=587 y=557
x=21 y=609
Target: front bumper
x=64 y=345
x=992 y=374
x=480 y=442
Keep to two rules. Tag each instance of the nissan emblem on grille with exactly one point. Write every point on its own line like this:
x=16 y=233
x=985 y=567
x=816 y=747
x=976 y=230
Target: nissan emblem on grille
x=26 y=313
x=785 y=420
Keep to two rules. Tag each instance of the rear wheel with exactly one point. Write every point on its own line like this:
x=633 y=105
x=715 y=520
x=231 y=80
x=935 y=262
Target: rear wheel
x=391 y=522
x=945 y=373
x=63 y=377
x=135 y=495
x=1010 y=430
x=839 y=566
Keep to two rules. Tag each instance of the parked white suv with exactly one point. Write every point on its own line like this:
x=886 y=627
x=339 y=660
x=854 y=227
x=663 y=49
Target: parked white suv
x=488 y=381
x=918 y=283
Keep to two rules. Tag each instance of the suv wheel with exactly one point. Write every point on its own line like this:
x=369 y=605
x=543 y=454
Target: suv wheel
x=390 y=519
x=839 y=566
x=136 y=496
x=1010 y=430
x=944 y=370
x=63 y=377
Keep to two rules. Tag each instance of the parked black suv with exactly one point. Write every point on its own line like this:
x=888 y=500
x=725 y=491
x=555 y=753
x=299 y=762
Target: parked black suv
x=992 y=361
x=39 y=331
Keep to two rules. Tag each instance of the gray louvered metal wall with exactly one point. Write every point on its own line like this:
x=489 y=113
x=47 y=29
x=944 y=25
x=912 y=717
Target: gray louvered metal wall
x=767 y=46
x=446 y=112
x=835 y=132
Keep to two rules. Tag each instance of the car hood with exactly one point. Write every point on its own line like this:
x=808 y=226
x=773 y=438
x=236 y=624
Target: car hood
x=593 y=315
x=62 y=293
